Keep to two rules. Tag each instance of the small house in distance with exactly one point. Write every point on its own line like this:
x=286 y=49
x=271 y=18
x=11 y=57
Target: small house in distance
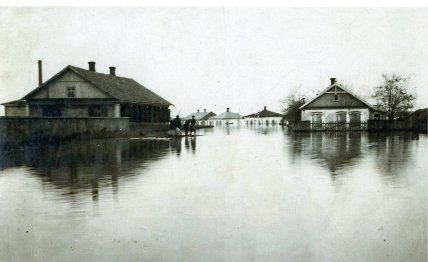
x=202 y=118
x=227 y=118
x=337 y=108
x=264 y=117
x=77 y=92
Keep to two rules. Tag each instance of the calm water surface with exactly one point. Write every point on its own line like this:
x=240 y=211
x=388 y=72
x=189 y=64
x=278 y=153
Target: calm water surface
x=233 y=194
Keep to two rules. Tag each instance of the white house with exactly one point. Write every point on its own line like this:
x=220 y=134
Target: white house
x=227 y=118
x=338 y=105
x=264 y=117
x=202 y=118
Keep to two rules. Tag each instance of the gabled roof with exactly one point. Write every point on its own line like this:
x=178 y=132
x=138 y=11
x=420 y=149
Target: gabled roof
x=199 y=115
x=343 y=90
x=265 y=113
x=14 y=103
x=227 y=115
x=121 y=88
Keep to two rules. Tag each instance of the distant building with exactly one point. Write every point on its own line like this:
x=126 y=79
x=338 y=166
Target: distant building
x=202 y=118
x=77 y=92
x=264 y=117
x=337 y=105
x=227 y=118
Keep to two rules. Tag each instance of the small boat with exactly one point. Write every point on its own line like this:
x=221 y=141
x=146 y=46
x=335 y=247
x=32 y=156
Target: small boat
x=228 y=123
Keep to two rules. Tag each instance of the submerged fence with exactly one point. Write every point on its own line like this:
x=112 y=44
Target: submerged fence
x=328 y=127
x=33 y=129
x=370 y=125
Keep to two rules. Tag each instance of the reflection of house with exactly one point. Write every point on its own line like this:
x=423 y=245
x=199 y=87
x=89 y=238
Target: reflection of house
x=337 y=106
x=334 y=151
x=227 y=118
x=201 y=117
x=77 y=92
x=264 y=117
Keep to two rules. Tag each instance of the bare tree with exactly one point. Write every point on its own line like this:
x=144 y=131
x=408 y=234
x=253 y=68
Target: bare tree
x=394 y=95
x=292 y=103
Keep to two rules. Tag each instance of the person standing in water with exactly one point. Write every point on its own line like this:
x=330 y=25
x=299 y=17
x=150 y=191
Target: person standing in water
x=175 y=126
x=193 y=126
x=186 y=126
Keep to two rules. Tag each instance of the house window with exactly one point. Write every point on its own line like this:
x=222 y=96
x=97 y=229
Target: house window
x=336 y=97
x=51 y=110
x=355 y=117
x=316 y=118
x=71 y=91
x=341 y=117
x=97 y=111
x=376 y=116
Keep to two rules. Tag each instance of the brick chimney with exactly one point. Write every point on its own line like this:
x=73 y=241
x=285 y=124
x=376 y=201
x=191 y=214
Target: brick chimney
x=91 y=66
x=332 y=81
x=227 y=110
x=265 y=107
x=112 y=70
x=198 y=110
x=40 y=72
x=205 y=110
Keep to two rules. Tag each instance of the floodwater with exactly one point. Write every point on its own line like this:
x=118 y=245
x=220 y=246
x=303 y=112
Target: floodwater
x=233 y=194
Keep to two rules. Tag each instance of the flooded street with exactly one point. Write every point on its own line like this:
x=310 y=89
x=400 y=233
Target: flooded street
x=232 y=194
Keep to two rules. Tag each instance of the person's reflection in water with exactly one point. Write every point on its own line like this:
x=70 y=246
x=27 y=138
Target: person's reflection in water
x=193 y=144
x=95 y=189
x=186 y=143
x=178 y=145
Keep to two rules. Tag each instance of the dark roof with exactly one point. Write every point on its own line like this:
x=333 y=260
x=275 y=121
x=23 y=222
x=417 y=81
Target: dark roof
x=265 y=113
x=122 y=88
x=357 y=101
x=14 y=103
x=200 y=115
x=227 y=115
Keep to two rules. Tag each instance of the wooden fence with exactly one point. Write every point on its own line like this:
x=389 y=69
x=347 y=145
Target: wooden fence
x=328 y=127
x=17 y=130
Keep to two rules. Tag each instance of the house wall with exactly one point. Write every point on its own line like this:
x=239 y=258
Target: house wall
x=72 y=110
x=58 y=88
x=16 y=110
x=220 y=122
x=329 y=115
x=263 y=120
x=204 y=122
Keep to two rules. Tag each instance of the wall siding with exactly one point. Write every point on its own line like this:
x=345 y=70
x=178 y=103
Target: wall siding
x=262 y=120
x=327 y=100
x=58 y=88
x=329 y=115
x=15 y=111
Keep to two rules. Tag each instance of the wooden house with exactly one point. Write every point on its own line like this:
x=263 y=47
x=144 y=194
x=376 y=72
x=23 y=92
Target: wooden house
x=77 y=92
x=202 y=118
x=337 y=107
x=264 y=117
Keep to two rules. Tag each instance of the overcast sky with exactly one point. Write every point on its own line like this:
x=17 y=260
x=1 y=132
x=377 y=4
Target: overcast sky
x=213 y=58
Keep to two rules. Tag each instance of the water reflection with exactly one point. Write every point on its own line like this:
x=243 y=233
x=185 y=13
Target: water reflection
x=392 y=151
x=190 y=143
x=151 y=200
x=83 y=165
x=336 y=151
x=176 y=145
